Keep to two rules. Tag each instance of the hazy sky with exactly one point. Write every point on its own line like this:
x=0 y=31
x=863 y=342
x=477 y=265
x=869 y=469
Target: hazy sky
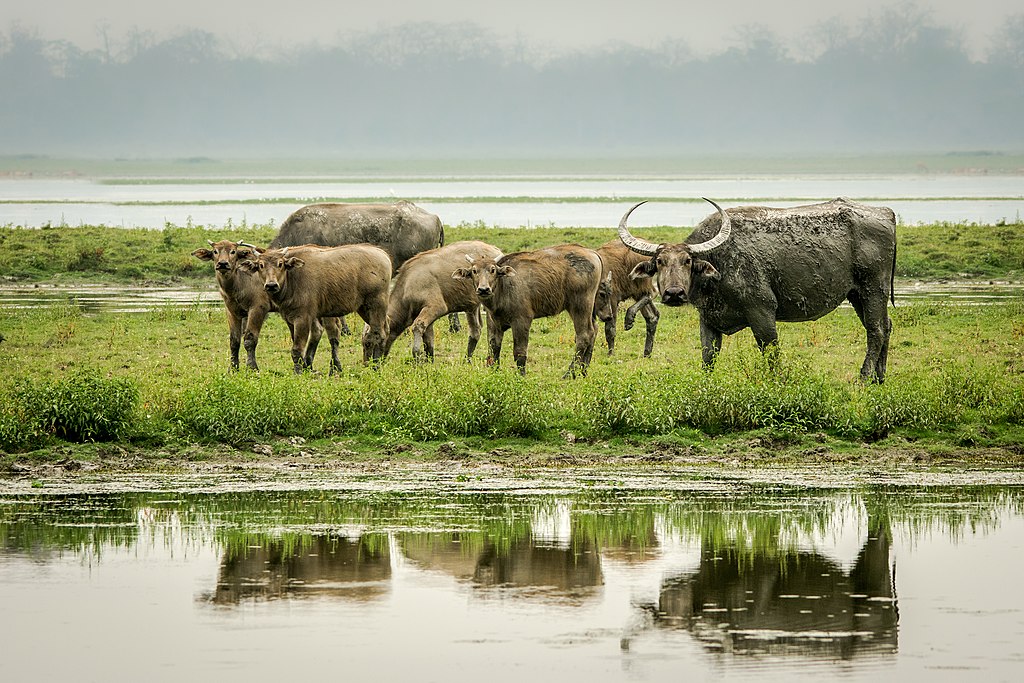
x=543 y=24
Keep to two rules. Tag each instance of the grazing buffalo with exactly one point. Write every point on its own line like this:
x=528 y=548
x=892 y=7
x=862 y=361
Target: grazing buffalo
x=325 y=282
x=520 y=287
x=752 y=266
x=247 y=303
x=401 y=229
x=619 y=260
x=425 y=290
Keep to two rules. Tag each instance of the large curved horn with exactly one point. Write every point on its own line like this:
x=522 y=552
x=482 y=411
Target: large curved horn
x=719 y=239
x=251 y=246
x=635 y=243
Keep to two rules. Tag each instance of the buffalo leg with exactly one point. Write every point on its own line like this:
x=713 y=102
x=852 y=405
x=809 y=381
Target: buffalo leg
x=521 y=343
x=874 y=315
x=711 y=345
x=251 y=336
x=333 y=328
x=473 y=323
x=236 y=324
x=609 y=328
x=428 y=342
x=301 y=330
x=762 y=324
x=453 y=322
x=651 y=317
x=424 y=322
x=315 y=334
x=495 y=336
x=344 y=327
x=585 y=333
x=627 y=322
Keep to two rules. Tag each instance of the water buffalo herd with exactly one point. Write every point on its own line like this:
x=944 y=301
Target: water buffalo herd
x=743 y=267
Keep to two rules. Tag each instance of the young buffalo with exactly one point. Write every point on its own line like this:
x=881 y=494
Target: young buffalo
x=519 y=287
x=620 y=261
x=327 y=282
x=247 y=303
x=425 y=291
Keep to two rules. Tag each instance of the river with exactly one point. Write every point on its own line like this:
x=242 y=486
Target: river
x=451 y=574
x=507 y=202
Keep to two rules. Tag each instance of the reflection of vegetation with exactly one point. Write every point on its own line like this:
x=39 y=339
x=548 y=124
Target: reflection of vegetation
x=758 y=520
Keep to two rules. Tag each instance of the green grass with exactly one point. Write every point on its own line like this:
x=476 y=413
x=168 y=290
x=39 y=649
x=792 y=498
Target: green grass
x=138 y=255
x=161 y=378
x=956 y=373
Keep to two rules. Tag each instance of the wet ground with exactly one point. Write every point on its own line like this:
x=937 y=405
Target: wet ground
x=122 y=299
x=449 y=572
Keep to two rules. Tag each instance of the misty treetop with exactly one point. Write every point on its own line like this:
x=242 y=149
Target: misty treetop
x=896 y=82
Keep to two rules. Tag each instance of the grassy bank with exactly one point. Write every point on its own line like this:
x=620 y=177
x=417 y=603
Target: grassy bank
x=158 y=383
x=134 y=255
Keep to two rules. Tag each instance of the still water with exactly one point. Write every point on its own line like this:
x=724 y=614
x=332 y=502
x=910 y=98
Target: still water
x=541 y=201
x=452 y=575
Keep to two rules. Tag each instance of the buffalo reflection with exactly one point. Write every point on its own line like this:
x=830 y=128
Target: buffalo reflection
x=334 y=566
x=785 y=603
x=571 y=571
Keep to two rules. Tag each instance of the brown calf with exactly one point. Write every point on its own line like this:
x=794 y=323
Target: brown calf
x=620 y=260
x=327 y=282
x=520 y=287
x=247 y=303
x=425 y=291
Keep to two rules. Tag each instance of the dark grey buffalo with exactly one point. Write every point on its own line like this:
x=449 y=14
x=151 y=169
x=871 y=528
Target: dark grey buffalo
x=752 y=266
x=401 y=229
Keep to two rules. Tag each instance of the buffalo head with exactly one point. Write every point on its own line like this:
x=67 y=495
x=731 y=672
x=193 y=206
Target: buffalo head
x=674 y=264
x=273 y=267
x=226 y=255
x=485 y=274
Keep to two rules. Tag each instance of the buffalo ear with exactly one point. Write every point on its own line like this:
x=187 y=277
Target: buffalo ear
x=706 y=270
x=643 y=269
x=462 y=274
x=249 y=266
x=506 y=271
x=203 y=254
x=294 y=262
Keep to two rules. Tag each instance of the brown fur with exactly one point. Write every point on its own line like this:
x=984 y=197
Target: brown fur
x=425 y=291
x=619 y=260
x=247 y=303
x=536 y=284
x=327 y=282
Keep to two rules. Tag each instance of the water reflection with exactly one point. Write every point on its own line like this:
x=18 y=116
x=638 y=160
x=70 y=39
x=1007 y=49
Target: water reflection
x=795 y=604
x=569 y=573
x=744 y=573
x=320 y=566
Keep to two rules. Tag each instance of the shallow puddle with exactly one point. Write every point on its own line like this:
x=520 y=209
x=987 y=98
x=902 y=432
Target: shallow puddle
x=432 y=575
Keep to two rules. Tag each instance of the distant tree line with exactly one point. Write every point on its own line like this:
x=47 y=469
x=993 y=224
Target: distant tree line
x=898 y=82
